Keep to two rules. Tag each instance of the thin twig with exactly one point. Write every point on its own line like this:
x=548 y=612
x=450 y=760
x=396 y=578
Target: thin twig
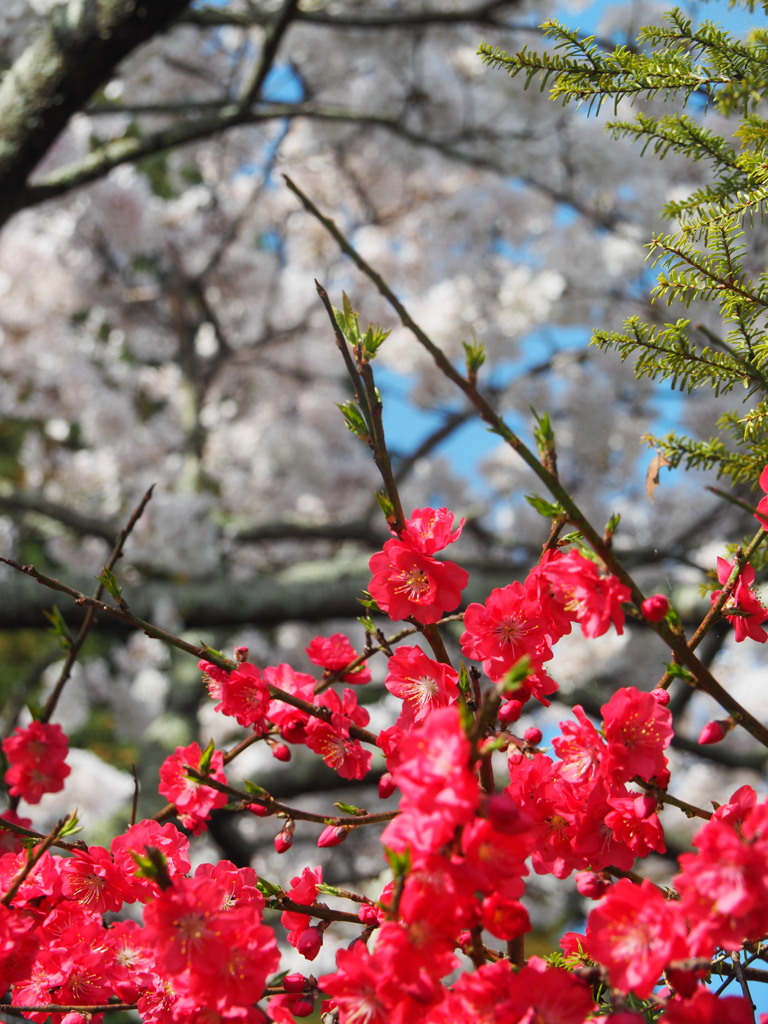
x=76 y=645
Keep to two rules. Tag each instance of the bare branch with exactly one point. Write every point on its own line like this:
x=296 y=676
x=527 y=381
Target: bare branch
x=489 y=12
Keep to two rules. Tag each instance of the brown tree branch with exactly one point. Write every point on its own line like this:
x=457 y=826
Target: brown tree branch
x=52 y=80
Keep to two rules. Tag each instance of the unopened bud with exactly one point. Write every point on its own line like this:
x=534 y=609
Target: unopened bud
x=655 y=607
x=294 y=982
x=332 y=835
x=368 y=914
x=590 y=884
x=713 y=732
x=387 y=786
x=284 y=838
x=510 y=711
x=281 y=752
x=310 y=942
x=661 y=696
x=533 y=736
x=645 y=805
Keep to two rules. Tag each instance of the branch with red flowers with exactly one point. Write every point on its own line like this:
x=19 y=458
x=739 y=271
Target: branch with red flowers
x=261 y=798
x=123 y=611
x=697 y=673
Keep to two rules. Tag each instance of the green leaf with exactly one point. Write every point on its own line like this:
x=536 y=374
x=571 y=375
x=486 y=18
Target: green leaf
x=348 y=808
x=386 y=506
x=514 y=677
x=474 y=354
x=206 y=757
x=354 y=420
x=267 y=888
x=329 y=890
x=548 y=509
x=373 y=339
x=254 y=790
x=612 y=525
x=108 y=580
x=465 y=683
x=213 y=653
x=35 y=709
x=58 y=626
x=543 y=432
x=347 y=319
x=677 y=671
x=71 y=826
x=399 y=863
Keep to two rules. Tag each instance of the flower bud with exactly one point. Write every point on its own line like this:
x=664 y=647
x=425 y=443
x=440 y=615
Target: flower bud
x=387 y=786
x=510 y=711
x=241 y=654
x=302 y=1007
x=294 y=982
x=713 y=732
x=368 y=914
x=661 y=696
x=332 y=835
x=655 y=607
x=281 y=752
x=645 y=805
x=310 y=942
x=533 y=736
x=284 y=838
x=590 y=884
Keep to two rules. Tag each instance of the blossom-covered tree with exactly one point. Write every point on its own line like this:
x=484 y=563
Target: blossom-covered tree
x=482 y=814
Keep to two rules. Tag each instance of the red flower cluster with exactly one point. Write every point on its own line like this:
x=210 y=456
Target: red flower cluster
x=407 y=582
x=525 y=620
x=36 y=756
x=742 y=607
x=200 y=953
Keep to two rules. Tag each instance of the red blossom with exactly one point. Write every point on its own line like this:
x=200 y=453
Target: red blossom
x=635 y=932
x=423 y=684
x=242 y=693
x=508 y=627
x=92 y=879
x=439 y=789
x=655 y=607
x=713 y=732
x=761 y=515
x=168 y=844
x=12 y=842
x=592 y=596
x=638 y=730
x=194 y=800
x=333 y=653
x=430 y=530
x=290 y=721
x=742 y=608
x=704 y=1007
x=505 y=918
x=408 y=584
x=303 y=889
x=332 y=740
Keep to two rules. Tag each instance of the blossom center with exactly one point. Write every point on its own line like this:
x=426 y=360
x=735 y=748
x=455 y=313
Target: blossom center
x=414 y=583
